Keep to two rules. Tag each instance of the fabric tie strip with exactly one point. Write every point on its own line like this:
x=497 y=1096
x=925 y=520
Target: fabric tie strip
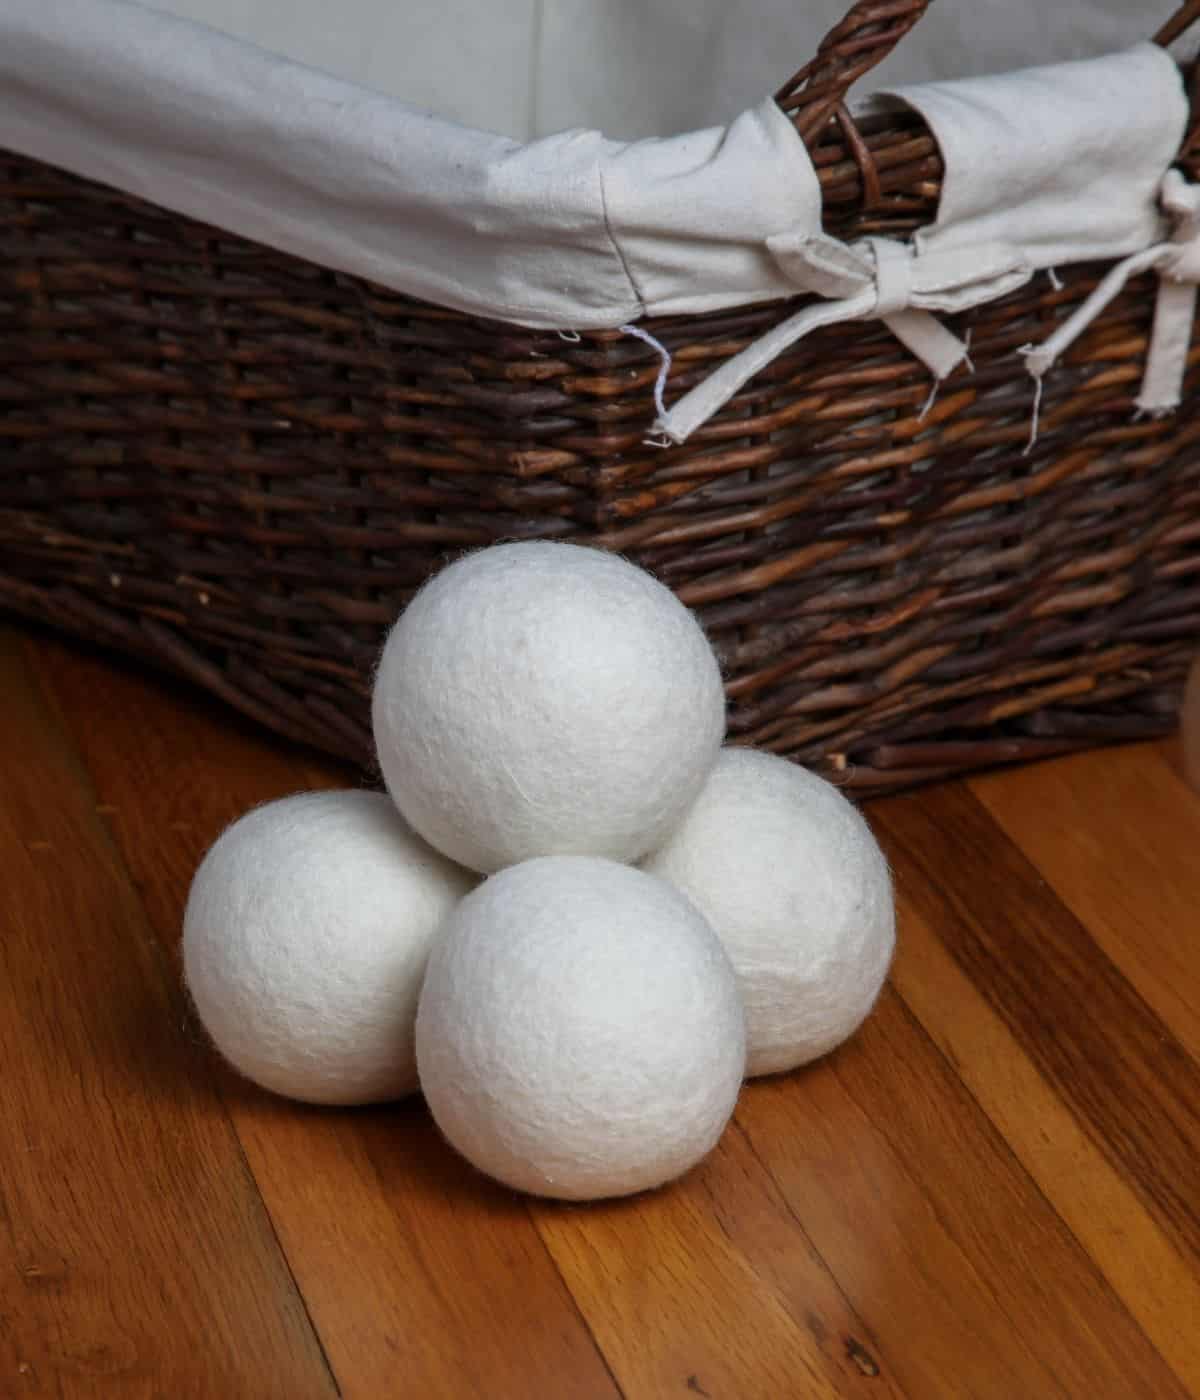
x=897 y=283
x=1177 y=263
x=874 y=279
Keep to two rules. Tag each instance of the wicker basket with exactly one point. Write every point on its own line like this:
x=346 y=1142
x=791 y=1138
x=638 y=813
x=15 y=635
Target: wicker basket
x=240 y=465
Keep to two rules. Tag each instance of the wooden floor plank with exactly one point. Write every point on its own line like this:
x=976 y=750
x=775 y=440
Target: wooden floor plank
x=1116 y=832
x=712 y=1287
x=130 y=1228
x=1152 y=1278
x=176 y=826
x=967 y=1276
x=421 y=1279
x=1100 y=1046
x=984 y=1194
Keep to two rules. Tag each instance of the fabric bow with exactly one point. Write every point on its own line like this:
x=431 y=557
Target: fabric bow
x=874 y=279
x=1177 y=263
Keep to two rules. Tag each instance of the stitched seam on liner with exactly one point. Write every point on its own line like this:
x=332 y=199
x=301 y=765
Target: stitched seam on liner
x=612 y=238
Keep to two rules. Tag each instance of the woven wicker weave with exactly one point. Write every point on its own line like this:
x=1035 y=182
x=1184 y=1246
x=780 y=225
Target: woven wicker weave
x=240 y=465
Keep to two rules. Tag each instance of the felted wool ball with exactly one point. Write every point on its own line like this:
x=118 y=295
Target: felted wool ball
x=305 y=939
x=544 y=699
x=580 y=1033
x=789 y=875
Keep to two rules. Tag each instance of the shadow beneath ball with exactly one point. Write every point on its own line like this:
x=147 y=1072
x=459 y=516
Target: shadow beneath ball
x=410 y=1154
x=143 y=1041
x=410 y=1159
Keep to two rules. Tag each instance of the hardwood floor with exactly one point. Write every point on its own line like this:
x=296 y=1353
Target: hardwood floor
x=992 y=1191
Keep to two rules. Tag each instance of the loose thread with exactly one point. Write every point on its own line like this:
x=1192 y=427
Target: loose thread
x=967 y=360
x=664 y=369
x=1055 y=280
x=937 y=383
x=571 y=337
x=1035 y=421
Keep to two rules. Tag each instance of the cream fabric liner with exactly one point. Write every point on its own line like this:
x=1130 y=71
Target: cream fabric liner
x=635 y=68
x=570 y=231
x=573 y=230
x=1044 y=166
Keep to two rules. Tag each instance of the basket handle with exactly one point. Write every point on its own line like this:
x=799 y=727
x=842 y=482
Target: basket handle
x=870 y=31
x=852 y=181
x=1179 y=23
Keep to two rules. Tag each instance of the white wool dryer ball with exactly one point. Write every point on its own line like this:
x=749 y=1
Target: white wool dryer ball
x=580 y=1033
x=305 y=939
x=795 y=885
x=546 y=699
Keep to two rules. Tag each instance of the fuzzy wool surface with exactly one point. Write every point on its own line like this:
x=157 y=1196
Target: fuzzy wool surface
x=789 y=875
x=546 y=699
x=580 y=1032
x=305 y=939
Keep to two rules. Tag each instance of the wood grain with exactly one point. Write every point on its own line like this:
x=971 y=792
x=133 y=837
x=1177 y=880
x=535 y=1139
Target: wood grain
x=989 y=1192
x=421 y=1279
x=683 y=1291
x=814 y=1344
x=1150 y=1275
x=1108 y=1056
x=1118 y=838
x=971 y=1281
x=137 y=1257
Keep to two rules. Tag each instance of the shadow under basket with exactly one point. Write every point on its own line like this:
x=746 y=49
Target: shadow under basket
x=240 y=466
